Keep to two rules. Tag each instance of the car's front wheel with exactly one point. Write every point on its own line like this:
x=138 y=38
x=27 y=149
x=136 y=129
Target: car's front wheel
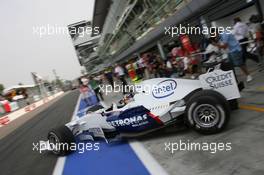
x=61 y=139
x=207 y=112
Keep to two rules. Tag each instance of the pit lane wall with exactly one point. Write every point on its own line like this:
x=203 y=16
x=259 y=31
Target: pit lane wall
x=16 y=114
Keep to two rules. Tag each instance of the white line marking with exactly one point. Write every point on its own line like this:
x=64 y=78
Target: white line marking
x=59 y=166
x=58 y=170
x=147 y=159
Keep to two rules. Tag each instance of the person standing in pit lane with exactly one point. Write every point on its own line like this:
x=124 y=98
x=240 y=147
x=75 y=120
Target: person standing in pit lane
x=228 y=41
x=257 y=33
x=154 y=65
x=141 y=67
x=241 y=33
x=169 y=68
x=109 y=76
x=146 y=58
x=120 y=73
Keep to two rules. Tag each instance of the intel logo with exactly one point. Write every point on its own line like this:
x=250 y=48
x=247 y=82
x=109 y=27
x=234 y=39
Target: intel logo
x=164 y=89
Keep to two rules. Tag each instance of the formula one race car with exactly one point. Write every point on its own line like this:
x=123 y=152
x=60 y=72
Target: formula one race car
x=203 y=104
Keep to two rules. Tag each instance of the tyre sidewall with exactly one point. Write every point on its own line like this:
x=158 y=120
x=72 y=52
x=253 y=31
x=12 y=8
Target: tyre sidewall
x=212 y=99
x=65 y=136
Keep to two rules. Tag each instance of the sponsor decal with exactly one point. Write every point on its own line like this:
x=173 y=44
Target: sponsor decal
x=164 y=89
x=220 y=81
x=133 y=121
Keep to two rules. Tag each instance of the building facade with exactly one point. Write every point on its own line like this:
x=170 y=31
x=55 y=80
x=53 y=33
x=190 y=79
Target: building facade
x=130 y=28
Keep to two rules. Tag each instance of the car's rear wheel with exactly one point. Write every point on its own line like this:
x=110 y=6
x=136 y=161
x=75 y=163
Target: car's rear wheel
x=207 y=112
x=61 y=139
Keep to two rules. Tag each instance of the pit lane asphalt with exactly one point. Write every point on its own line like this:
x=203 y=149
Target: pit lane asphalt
x=16 y=149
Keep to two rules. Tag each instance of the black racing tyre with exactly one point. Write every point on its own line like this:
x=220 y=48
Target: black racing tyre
x=207 y=112
x=60 y=140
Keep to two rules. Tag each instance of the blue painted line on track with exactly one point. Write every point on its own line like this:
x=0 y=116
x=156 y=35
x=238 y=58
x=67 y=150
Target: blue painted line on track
x=111 y=159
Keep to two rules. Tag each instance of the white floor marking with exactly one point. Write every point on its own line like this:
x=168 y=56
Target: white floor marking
x=58 y=170
x=59 y=166
x=147 y=159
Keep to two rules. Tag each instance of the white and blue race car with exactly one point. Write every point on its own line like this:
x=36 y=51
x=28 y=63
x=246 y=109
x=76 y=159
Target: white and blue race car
x=203 y=104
